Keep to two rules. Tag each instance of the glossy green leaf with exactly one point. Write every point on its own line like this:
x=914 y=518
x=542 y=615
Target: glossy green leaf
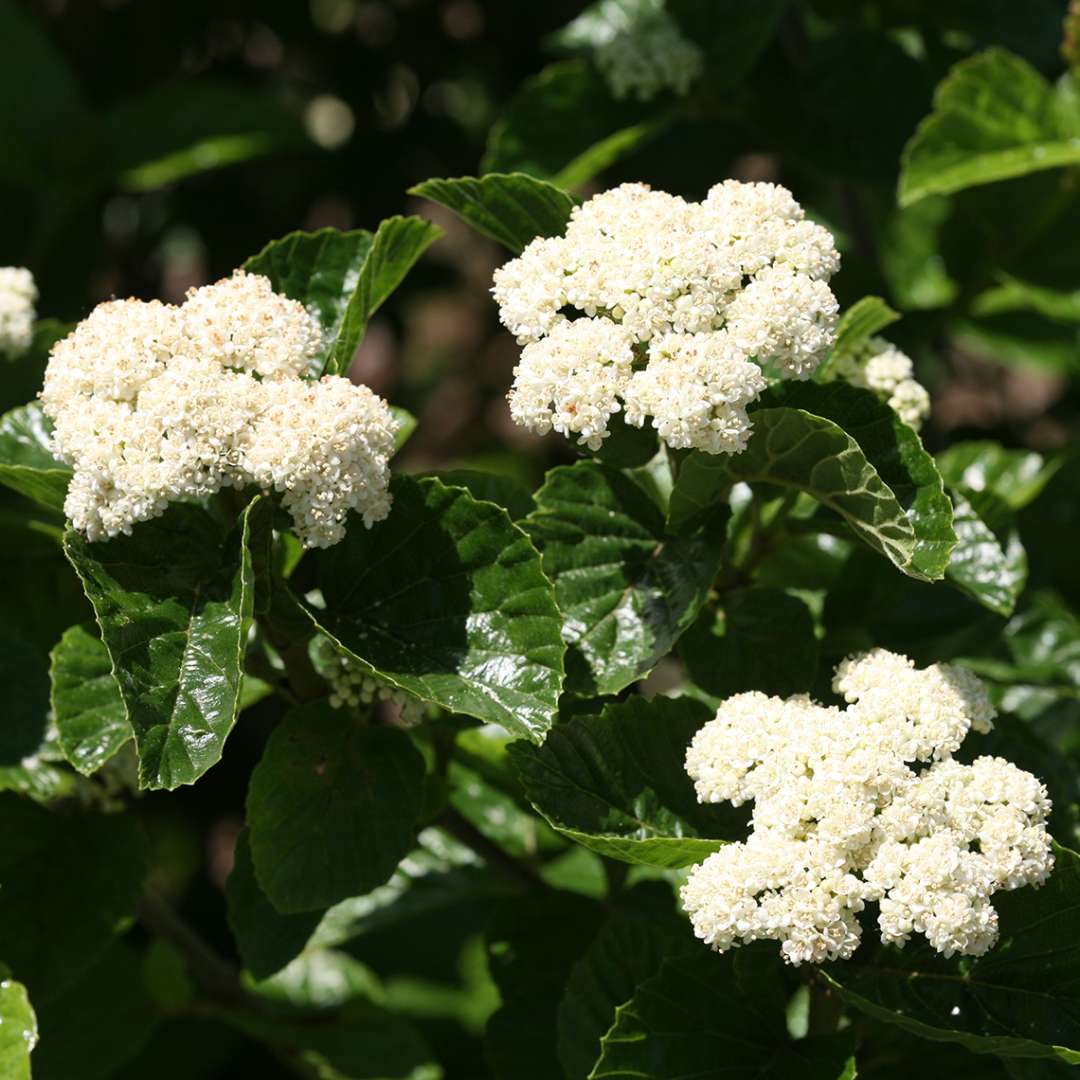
x=990 y=567
x=565 y=126
x=862 y=320
x=694 y=1015
x=511 y=208
x=1022 y=999
x=174 y=602
x=626 y=590
x=505 y=491
x=800 y=451
x=172 y=131
x=1017 y=477
x=68 y=883
x=87 y=707
x=446 y=599
x=99 y=1023
x=629 y=949
x=343 y=278
x=26 y=461
x=616 y=783
x=994 y=117
x=896 y=453
x=759 y=638
x=332 y=808
x=18 y=1028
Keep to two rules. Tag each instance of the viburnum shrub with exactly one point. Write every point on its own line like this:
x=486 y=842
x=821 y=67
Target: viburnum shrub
x=743 y=742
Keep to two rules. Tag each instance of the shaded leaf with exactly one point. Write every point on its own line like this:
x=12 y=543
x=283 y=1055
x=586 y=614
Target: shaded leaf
x=26 y=461
x=331 y=808
x=446 y=599
x=511 y=208
x=1015 y=476
x=68 y=883
x=174 y=602
x=994 y=117
x=343 y=278
x=505 y=491
x=694 y=1015
x=759 y=638
x=616 y=783
x=87 y=707
x=1021 y=999
x=626 y=590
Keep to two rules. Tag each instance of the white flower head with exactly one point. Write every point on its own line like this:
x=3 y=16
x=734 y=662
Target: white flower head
x=841 y=818
x=668 y=310
x=18 y=295
x=880 y=366
x=643 y=52
x=152 y=403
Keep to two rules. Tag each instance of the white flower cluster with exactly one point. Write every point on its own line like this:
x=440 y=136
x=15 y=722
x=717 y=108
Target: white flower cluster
x=642 y=51
x=351 y=685
x=18 y=294
x=667 y=309
x=841 y=819
x=152 y=403
x=880 y=366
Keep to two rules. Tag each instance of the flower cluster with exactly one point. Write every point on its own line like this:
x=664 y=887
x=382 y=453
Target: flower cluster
x=841 y=819
x=352 y=686
x=880 y=366
x=18 y=294
x=152 y=403
x=667 y=309
x=642 y=51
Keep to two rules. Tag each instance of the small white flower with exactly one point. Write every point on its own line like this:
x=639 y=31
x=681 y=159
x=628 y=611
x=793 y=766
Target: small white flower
x=840 y=818
x=668 y=309
x=880 y=366
x=153 y=403
x=18 y=294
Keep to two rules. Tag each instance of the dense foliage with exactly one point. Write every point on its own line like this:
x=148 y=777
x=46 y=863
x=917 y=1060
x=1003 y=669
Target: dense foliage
x=320 y=768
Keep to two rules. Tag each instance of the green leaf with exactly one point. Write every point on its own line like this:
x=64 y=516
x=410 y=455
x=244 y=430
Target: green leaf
x=511 y=208
x=862 y=320
x=628 y=447
x=505 y=491
x=86 y=702
x=331 y=808
x=616 y=783
x=99 y=1023
x=174 y=603
x=1022 y=999
x=627 y=592
x=26 y=699
x=446 y=599
x=629 y=949
x=342 y=278
x=1017 y=477
x=68 y=883
x=694 y=1015
x=565 y=126
x=798 y=450
x=407 y=424
x=989 y=567
x=18 y=1029
x=994 y=117
x=896 y=453
x=169 y=132
x=26 y=462
x=359 y=1041
x=759 y=638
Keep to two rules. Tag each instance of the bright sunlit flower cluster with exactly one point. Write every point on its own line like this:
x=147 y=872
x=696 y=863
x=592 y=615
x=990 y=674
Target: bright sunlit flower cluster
x=351 y=686
x=880 y=366
x=18 y=294
x=152 y=403
x=841 y=818
x=642 y=51
x=668 y=311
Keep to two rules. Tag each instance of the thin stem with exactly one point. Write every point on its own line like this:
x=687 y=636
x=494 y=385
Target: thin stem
x=464 y=831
